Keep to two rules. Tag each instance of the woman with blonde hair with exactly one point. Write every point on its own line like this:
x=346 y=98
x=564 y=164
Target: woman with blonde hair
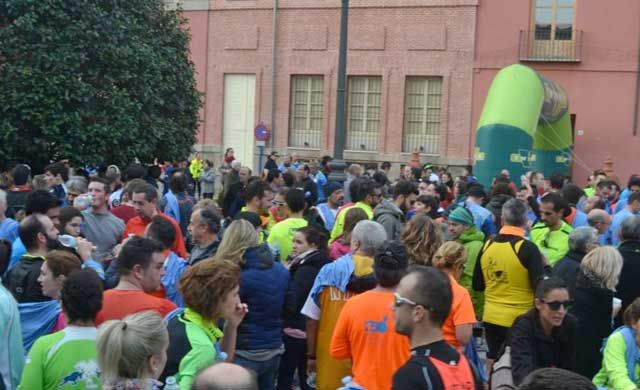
x=266 y=288
x=593 y=295
x=422 y=239
x=238 y=237
x=210 y=292
x=457 y=329
x=132 y=352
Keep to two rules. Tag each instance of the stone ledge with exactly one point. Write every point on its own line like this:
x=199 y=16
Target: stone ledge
x=188 y=5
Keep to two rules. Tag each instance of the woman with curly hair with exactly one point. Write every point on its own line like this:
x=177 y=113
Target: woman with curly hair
x=422 y=239
x=210 y=292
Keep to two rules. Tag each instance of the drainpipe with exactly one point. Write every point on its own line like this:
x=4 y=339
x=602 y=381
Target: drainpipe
x=272 y=136
x=637 y=97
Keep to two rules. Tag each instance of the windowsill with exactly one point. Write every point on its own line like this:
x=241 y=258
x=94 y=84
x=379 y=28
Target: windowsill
x=542 y=59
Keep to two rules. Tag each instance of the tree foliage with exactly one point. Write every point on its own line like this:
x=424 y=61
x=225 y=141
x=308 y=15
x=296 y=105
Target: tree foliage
x=95 y=81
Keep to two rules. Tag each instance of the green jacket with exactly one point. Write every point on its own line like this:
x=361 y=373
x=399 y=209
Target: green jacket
x=195 y=168
x=613 y=374
x=338 y=228
x=192 y=347
x=553 y=244
x=472 y=240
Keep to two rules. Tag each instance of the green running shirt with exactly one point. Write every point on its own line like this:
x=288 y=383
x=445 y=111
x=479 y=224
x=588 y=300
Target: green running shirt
x=282 y=235
x=63 y=360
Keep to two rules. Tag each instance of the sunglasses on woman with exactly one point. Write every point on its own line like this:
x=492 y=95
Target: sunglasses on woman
x=555 y=305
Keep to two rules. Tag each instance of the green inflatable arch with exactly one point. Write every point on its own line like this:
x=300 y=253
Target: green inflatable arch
x=525 y=125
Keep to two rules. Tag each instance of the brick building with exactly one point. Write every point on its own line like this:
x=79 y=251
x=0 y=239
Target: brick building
x=410 y=77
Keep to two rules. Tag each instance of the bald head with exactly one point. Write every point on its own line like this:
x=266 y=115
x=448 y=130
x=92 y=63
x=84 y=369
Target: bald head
x=225 y=376
x=599 y=219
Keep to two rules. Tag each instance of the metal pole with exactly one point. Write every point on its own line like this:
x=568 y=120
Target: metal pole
x=273 y=75
x=338 y=164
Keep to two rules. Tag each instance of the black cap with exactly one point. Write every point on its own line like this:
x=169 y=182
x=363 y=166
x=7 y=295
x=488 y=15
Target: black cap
x=250 y=216
x=391 y=255
x=476 y=191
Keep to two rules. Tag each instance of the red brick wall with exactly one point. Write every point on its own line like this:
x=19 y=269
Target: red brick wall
x=388 y=38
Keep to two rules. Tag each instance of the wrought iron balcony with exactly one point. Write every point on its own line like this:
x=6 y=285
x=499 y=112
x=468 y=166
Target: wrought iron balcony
x=550 y=45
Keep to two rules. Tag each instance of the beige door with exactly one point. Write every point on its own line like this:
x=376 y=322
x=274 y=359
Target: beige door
x=239 y=116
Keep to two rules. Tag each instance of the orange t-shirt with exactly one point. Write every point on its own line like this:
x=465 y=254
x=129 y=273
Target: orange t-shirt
x=461 y=313
x=366 y=334
x=137 y=226
x=117 y=304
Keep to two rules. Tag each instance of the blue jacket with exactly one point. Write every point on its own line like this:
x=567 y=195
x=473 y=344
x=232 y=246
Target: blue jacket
x=266 y=288
x=12 y=352
x=37 y=319
x=174 y=268
x=320 y=179
x=580 y=220
x=483 y=219
x=616 y=223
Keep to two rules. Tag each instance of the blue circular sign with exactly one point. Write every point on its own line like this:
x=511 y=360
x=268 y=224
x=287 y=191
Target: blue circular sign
x=261 y=132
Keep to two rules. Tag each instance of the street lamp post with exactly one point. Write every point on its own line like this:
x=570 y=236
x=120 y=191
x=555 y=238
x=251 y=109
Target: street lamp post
x=338 y=164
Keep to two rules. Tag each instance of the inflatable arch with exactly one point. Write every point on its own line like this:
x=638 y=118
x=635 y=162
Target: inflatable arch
x=525 y=125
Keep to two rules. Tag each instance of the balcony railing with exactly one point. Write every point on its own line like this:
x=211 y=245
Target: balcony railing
x=551 y=45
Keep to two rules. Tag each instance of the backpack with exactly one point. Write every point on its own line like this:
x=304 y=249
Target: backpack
x=5 y=255
x=501 y=375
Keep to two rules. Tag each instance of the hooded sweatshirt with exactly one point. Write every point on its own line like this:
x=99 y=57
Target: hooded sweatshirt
x=391 y=217
x=472 y=240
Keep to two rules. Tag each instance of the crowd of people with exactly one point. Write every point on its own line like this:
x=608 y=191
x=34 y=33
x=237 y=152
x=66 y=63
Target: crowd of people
x=139 y=279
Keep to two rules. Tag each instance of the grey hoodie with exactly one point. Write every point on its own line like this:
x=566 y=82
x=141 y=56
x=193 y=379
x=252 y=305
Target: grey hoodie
x=390 y=217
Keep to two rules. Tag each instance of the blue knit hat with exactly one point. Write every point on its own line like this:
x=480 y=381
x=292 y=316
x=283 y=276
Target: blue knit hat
x=331 y=187
x=462 y=216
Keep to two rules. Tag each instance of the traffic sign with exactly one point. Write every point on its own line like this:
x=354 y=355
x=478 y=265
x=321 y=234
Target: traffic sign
x=261 y=132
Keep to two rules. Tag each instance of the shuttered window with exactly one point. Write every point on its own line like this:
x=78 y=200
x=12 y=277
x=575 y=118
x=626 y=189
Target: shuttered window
x=363 y=116
x=307 y=111
x=422 y=101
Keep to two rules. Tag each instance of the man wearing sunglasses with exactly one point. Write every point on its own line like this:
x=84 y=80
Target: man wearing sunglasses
x=552 y=234
x=365 y=331
x=422 y=303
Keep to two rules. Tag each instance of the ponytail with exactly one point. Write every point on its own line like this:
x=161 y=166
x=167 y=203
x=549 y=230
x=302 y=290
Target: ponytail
x=124 y=346
x=449 y=255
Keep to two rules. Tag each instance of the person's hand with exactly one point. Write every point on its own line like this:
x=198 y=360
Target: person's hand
x=116 y=249
x=240 y=311
x=84 y=248
x=312 y=365
x=545 y=260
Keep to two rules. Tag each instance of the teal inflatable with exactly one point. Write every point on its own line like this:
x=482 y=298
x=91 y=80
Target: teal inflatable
x=525 y=125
